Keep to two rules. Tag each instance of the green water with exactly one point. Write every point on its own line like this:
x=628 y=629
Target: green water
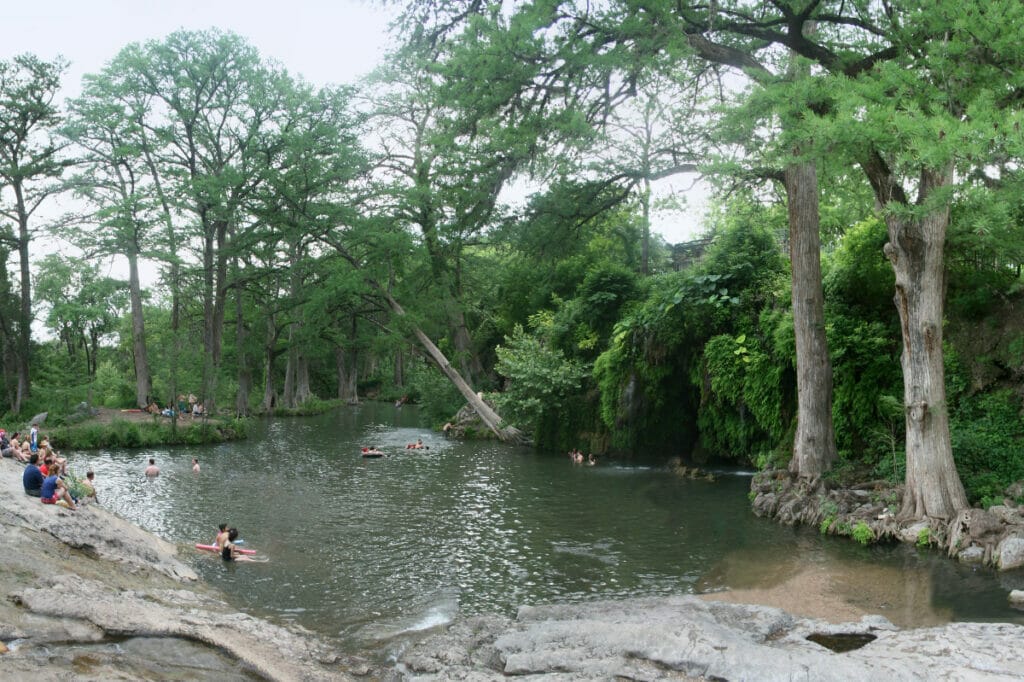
x=371 y=550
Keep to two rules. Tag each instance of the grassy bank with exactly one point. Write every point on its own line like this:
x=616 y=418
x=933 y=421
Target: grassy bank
x=311 y=407
x=121 y=433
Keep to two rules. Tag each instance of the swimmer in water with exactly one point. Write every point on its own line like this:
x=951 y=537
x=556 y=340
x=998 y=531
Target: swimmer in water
x=229 y=552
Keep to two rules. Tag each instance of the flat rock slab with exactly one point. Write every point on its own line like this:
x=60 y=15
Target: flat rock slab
x=680 y=638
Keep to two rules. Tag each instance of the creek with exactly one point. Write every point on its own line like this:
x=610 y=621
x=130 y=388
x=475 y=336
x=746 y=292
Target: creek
x=374 y=551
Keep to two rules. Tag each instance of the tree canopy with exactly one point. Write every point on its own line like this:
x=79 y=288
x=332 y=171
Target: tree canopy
x=479 y=211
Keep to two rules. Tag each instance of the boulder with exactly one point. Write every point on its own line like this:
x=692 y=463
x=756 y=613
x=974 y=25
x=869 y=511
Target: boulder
x=1015 y=490
x=1008 y=515
x=1010 y=553
x=971 y=555
x=912 y=532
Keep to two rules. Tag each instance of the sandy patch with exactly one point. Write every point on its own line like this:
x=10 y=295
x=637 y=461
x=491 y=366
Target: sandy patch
x=837 y=594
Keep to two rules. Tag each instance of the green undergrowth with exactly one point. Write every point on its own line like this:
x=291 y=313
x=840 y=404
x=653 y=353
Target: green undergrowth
x=311 y=407
x=124 y=434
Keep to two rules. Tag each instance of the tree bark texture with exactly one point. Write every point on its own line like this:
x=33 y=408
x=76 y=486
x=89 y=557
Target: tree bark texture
x=143 y=381
x=399 y=374
x=270 y=341
x=915 y=249
x=24 y=344
x=814 y=445
x=348 y=375
x=244 y=375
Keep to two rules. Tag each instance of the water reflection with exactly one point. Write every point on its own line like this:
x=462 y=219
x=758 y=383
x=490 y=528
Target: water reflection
x=367 y=549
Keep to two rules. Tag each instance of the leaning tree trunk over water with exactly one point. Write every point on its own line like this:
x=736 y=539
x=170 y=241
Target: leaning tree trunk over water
x=814 y=446
x=915 y=249
x=489 y=417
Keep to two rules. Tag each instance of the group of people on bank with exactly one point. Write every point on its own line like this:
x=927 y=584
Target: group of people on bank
x=45 y=470
x=186 y=406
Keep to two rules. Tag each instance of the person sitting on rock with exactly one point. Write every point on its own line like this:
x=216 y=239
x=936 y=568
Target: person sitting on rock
x=33 y=478
x=10 y=448
x=54 y=490
x=49 y=453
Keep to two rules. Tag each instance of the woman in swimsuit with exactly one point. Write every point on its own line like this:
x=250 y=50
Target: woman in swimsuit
x=229 y=552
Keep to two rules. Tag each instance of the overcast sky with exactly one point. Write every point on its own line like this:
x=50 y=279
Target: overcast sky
x=324 y=41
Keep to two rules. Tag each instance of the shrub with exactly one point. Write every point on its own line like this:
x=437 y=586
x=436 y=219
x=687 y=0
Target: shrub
x=924 y=537
x=862 y=533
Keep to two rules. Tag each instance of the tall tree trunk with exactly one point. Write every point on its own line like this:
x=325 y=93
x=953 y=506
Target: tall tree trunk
x=348 y=375
x=399 y=374
x=469 y=362
x=303 y=393
x=270 y=341
x=143 y=381
x=25 y=317
x=8 y=343
x=175 y=337
x=290 y=368
x=208 y=304
x=645 y=218
x=244 y=375
x=814 y=446
x=219 y=308
x=915 y=249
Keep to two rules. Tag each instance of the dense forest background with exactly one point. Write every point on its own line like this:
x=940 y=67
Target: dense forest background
x=323 y=244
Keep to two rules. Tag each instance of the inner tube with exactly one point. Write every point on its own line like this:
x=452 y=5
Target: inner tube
x=373 y=455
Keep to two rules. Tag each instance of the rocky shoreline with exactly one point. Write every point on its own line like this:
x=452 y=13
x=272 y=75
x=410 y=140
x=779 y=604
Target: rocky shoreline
x=991 y=537
x=89 y=596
